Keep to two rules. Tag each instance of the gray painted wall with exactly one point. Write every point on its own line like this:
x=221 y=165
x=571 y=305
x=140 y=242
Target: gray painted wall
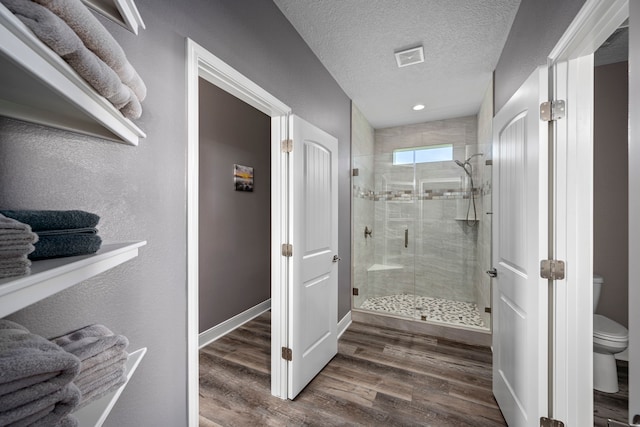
x=611 y=189
x=140 y=192
x=235 y=226
x=536 y=29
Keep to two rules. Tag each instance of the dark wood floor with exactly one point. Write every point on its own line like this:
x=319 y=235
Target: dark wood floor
x=614 y=406
x=379 y=377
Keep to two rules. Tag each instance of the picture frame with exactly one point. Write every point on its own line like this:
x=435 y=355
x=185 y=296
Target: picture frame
x=243 y=178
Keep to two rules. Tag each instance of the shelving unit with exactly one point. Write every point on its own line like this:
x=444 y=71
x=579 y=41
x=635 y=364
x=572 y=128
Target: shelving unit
x=95 y=413
x=123 y=12
x=51 y=276
x=39 y=87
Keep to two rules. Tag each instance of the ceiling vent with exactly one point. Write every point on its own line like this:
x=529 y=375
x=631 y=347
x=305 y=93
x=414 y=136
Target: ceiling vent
x=411 y=56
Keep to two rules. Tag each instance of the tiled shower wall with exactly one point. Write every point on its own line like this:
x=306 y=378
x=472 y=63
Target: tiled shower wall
x=420 y=214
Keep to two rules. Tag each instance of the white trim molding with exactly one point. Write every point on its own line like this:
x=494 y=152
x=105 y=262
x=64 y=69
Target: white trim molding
x=344 y=324
x=202 y=63
x=210 y=335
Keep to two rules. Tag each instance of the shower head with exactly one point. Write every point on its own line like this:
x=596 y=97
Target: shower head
x=464 y=166
x=459 y=163
x=472 y=156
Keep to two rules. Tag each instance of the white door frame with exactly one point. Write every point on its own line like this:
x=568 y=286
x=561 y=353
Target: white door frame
x=572 y=59
x=202 y=63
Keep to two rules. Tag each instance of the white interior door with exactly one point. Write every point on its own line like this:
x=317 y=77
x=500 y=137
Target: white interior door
x=313 y=288
x=634 y=213
x=520 y=242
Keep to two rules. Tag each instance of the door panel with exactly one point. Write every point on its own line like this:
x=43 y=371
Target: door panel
x=634 y=213
x=313 y=292
x=520 y=242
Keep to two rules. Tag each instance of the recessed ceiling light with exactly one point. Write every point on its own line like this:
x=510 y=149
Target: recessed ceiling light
x=411 y=56
x=418 y=107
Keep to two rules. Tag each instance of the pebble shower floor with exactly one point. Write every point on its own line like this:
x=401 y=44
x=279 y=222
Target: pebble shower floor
x=435 y=309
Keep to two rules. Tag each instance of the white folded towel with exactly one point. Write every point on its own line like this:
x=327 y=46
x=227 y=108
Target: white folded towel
x=98 y=40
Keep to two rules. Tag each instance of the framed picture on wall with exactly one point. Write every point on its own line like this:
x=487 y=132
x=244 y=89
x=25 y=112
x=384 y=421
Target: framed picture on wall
x=243 y=178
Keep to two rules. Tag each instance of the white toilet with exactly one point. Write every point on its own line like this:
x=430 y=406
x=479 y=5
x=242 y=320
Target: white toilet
x=609 y=338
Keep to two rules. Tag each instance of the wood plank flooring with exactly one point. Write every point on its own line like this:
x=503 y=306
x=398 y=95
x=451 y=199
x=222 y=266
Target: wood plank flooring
x=380 y=377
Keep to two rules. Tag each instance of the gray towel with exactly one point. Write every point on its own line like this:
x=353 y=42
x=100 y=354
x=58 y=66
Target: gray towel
x=98 y=40
x=14 y=266
x=56 y=34
x=101 y=386
x=66 y=245
x=31 y=366
x=13 y=224
x=91 y=341
x=14 y=251
x=85 y=230
x=99 y=365
x=48 y=410
x=46 y=220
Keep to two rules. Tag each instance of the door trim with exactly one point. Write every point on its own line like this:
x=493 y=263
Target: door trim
x=572 y=63
x=202 y=63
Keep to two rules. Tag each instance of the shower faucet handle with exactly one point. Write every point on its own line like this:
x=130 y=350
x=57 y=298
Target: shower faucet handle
x=367 y=232
x=492 y=273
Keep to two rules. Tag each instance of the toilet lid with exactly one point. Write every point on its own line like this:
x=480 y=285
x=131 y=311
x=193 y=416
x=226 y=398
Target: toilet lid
x=605 y=328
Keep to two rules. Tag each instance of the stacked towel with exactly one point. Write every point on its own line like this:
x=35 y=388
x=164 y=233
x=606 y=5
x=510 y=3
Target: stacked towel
x=102 y=360
x=16 y=242
x=60 y=233
x=70 y=30
x=36 y=377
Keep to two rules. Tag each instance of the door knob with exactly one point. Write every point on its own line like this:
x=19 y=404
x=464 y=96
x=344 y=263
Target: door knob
x=336 y=258
x=492 y=273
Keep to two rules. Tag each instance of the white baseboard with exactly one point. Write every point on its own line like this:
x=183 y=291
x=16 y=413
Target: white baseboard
x=344 y=324
x=212 y=334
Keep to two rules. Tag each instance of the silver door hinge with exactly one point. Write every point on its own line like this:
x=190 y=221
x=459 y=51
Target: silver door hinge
x=287 y=354
x=552 y=269
x=554 y=110
x=287 y=249
x=287 y=145
x=550 y=422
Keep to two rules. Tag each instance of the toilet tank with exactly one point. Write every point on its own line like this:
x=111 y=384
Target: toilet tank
x=597 y=287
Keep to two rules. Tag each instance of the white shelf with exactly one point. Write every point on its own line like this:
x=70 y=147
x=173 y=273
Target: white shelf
x=39 y=87
x=51 y=276
x=384 y=267
x=95 y=413
x=123 y=12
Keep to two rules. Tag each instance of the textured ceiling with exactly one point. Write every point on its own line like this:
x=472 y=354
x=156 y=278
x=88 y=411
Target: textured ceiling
x=356 y=41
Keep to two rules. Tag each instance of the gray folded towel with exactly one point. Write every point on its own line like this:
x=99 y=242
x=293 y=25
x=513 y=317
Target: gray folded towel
x=31 y=366
x=56 y=34
x=48 y=410
x=98 y=40
x=85 y=230
x=91 y=341
x=101 y=386
x=15 y=266
x=14 y=251
x=14 y=262
x=47 y=220
x=66 y=245
x=99 y=364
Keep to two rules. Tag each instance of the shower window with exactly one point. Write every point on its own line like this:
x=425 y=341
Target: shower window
x=430 y=154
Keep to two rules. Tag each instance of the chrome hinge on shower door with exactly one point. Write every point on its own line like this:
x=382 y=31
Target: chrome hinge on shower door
x=549 y=422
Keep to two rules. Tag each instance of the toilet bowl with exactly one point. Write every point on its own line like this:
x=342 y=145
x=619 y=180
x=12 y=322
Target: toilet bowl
x=609 y=338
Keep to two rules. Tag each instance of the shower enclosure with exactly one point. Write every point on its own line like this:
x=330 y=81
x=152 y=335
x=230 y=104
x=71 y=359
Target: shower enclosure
x=421 y=223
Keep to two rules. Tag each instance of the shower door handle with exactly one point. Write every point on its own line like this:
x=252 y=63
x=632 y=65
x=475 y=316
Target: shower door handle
x=406 y=237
